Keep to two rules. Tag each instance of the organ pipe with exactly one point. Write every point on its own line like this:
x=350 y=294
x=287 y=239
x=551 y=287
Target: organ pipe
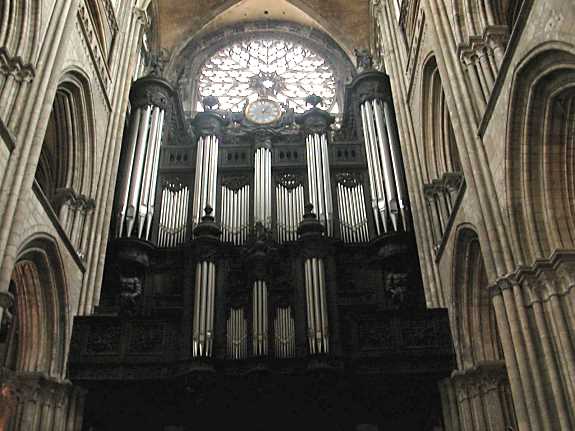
x=235 y=215
x=289 y=205
x=136 y=190
x=316 y=306
x=173 y=216
x=260 y=318
x=237 y=334
x=206 y=176
x=284 y=333
x=263 y=187
x=203 y=324
x=352 y=213
x=320 y=179
x=387 y=176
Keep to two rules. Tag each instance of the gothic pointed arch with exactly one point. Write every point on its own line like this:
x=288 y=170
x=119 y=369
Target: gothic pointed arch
x=439 y=143
x=473 y=319
x=540 y=154
x=35 y=341
x=65 y=172
x=186 y=63
x=19 y=31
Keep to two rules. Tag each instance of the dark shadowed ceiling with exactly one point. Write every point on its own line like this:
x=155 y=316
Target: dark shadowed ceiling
x=346 y=21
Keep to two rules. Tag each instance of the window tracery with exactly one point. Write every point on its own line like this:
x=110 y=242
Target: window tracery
x=267 y=67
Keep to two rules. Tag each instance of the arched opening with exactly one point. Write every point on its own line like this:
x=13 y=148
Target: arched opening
x=541 y=152
x=65 y=168
x=189 y=66
x=34 y=338
x=443 y=173
x=477 y=345
x=438 y=137
x=476 y=333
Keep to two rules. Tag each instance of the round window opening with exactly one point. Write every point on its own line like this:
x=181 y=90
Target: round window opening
x=274 y=68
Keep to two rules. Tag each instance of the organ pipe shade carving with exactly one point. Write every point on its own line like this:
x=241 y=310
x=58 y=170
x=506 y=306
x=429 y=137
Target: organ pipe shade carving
x=206 y=177
x=290 y=210
x=237 y=334
x=203 y=325
x=319 y=179
x=284 y=333
x=260 y=318
x=316 y=306
x=235 y=216
x=263 y=187
x=140 y=167
x=387 y=178
x=352 y=213
x=174 y=216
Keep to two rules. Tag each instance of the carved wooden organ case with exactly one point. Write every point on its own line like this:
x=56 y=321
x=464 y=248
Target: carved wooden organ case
x=236 y=243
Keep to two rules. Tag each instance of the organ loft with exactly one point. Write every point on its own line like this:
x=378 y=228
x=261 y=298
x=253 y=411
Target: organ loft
x=263 y=268
x=347 y=215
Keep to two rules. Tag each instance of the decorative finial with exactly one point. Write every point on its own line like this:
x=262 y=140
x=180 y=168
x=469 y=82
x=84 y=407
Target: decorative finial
x=208 y=210
x=308 y=209
x=158 y=62
x=313 y=100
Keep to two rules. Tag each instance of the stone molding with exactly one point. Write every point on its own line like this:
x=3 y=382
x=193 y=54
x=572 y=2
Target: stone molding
x=477 y=381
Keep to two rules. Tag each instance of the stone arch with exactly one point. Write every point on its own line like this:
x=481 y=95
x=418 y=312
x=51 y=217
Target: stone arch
x=187 y=61
x=19 y=31
x=67 y=157
x=541 y=153
x=473 y=318
x=477 y=18
x=439 y=145
x=39 y=327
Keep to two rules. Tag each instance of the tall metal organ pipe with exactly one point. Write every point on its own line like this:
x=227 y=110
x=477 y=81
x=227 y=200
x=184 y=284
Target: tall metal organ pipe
x=319 y=179
x=206 y=176
x=263 y=187
x=387 y=176
x=204 y=302
x=136 y=196
x=260 y=318
x=284 y=333
x=235 y=214
x=237 y=334
x=311 y=234
x=289 y=209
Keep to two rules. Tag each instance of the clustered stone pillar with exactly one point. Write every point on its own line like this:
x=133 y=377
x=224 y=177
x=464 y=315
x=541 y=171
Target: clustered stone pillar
x=316 y=123
x=207 y=234
x=312 y=236
x=478 y=399
x=36 y=402
x=372 y=97
x=139 y=171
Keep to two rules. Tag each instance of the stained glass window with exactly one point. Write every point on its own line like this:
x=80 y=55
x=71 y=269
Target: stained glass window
x=268 y=67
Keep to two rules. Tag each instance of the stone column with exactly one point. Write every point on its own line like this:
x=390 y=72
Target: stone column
x=478 y=399
x=36 y=402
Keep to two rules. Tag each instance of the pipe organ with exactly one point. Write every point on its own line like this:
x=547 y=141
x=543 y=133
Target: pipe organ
x=284 y=333
x=172 y=229
x=352 y=215
x=237 y=334
x=282 y=248
x=320 y=192
x=235 y=205
x=290 y=202
x=206 y=176
x=260 y=318
x=137 y=193
x=205 y=292
x=263 y=187
x=316 y=306
x=385 y=166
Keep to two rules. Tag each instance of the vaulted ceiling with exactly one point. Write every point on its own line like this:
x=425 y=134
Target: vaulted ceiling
x=346 y=21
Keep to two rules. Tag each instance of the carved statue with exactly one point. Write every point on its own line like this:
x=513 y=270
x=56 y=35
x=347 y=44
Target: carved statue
x=364 y=59
x=396 y=285
x=130 y=292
